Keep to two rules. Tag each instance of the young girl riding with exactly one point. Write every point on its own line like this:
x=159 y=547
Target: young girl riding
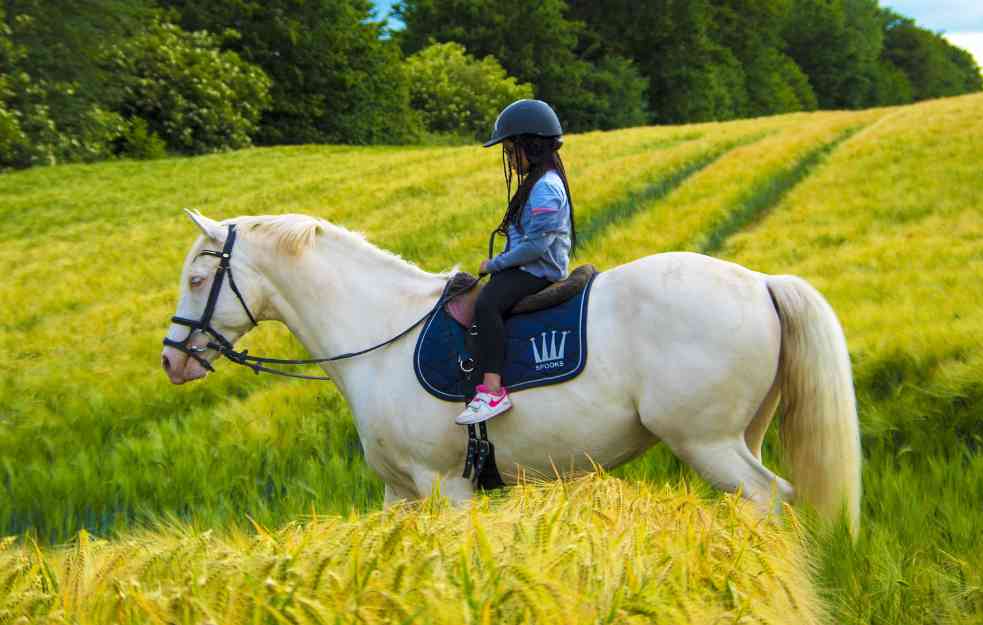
x=540 y=230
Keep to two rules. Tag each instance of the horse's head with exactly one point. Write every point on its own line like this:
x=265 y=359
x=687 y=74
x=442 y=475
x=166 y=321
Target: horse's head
x=221 y=291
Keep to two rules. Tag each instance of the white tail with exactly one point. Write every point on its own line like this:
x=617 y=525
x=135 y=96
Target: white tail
x=819 y=430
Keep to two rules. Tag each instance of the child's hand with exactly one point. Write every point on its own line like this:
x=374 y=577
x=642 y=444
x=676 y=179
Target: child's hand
x=484 y=266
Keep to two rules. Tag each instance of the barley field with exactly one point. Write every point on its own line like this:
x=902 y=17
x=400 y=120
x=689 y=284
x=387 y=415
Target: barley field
x=245 y=498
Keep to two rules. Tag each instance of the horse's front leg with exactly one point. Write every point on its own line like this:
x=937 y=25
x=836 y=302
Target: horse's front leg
x=452 y=486
x=394 y=495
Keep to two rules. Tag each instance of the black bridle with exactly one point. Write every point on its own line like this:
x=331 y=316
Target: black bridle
x=224 y=347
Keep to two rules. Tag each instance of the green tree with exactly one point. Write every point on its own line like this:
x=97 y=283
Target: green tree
x=334 y=78
x=196 y=98
x=966 y=70
x=752 y=31
x=62 y=40
x=67 y=111
x=456 y=93
x=892 y=86
x=691 y=77
x=618 y=94
x=837 y=43
x=934 y=67
x=532 y=39
x=535 y=42
x=13 y=140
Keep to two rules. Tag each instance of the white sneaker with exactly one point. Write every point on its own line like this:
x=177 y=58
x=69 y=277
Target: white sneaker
x=484 y=406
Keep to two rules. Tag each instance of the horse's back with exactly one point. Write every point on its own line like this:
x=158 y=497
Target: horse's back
x=676 y=278
x=687 y=296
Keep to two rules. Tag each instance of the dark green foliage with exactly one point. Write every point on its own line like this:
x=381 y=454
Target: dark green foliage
x=892 y=85
x=62 y=40
x=856 y=54
x=531 y=38
x=933 y=66
x=12 y=137
x=615 y=95
x=30 y=134
x=334 y=78
x=967 y=71
x=56 y=86
x=194 y=97
x=738 y=58
x=535 y=42
x=691 y=77
x=140 y=142
x=837 y=44
x=337 y=75
x=751 y=30
x=458 y=94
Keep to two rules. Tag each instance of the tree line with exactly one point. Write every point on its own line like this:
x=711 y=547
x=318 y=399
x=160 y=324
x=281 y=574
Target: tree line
x=84 y=80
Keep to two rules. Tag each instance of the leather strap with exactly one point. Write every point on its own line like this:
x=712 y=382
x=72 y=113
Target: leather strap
x=225 y=348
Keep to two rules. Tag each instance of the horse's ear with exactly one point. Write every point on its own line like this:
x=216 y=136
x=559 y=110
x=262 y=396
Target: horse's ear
x=209 y=227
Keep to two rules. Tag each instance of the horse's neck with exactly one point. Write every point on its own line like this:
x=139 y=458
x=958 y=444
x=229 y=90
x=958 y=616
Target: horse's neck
x=345 y=295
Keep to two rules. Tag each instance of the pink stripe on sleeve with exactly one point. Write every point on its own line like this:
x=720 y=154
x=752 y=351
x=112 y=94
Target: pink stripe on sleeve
x=544 y=209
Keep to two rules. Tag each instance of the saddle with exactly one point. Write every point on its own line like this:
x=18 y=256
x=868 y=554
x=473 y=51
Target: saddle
x=546 y=343
x=461 y=307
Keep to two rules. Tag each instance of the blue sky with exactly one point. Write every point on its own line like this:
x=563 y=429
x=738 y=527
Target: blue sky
x=383 y=6
x=946 y=15
x=960 y=20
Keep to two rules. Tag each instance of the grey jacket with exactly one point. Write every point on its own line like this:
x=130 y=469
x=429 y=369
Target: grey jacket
x=543 y=248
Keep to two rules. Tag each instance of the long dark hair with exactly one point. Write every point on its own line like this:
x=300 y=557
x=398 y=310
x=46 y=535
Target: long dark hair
x=542 y=154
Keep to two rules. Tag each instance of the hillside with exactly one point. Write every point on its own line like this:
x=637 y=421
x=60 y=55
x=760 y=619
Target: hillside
x=881 y=210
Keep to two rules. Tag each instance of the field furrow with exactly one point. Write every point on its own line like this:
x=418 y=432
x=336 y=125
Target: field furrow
x=604 y=217
x=765 y=196
x=708 y=198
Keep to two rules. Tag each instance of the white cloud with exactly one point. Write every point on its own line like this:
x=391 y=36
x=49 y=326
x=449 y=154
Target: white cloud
x=971 y=42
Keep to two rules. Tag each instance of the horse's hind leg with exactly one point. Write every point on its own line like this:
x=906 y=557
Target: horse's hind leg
x=754 y=435
x=729 y=465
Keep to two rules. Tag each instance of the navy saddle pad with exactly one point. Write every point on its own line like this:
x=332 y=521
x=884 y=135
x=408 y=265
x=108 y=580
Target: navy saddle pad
x=542 y=347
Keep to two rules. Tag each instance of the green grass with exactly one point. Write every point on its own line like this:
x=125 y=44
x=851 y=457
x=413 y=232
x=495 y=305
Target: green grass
x=887 y=221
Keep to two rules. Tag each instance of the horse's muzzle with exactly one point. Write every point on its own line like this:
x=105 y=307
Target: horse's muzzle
x=179 y=367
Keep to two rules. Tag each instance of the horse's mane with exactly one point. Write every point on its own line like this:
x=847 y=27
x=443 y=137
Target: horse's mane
x=291 y=234
x=295 y=234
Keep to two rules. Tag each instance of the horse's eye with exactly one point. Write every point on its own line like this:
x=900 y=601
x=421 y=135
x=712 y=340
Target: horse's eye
x=196 y=281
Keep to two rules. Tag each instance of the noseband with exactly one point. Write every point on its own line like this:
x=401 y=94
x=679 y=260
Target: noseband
x=203 y=325
x=224 y=347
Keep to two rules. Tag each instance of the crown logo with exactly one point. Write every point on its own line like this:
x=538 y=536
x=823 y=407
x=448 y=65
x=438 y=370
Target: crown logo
x=549 y=352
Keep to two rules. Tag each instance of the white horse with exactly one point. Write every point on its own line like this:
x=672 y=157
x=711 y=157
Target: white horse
x=684 y=349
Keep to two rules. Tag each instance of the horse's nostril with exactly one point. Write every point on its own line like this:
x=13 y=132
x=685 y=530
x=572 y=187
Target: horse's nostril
x=166 y=363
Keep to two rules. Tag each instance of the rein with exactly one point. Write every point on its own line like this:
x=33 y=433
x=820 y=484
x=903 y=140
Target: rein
x=224 y=347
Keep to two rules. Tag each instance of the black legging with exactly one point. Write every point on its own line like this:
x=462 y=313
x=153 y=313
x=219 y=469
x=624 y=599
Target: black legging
x=503 y=290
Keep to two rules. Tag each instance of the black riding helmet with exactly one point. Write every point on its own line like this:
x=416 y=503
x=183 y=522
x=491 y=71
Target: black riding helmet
x=525 y=117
